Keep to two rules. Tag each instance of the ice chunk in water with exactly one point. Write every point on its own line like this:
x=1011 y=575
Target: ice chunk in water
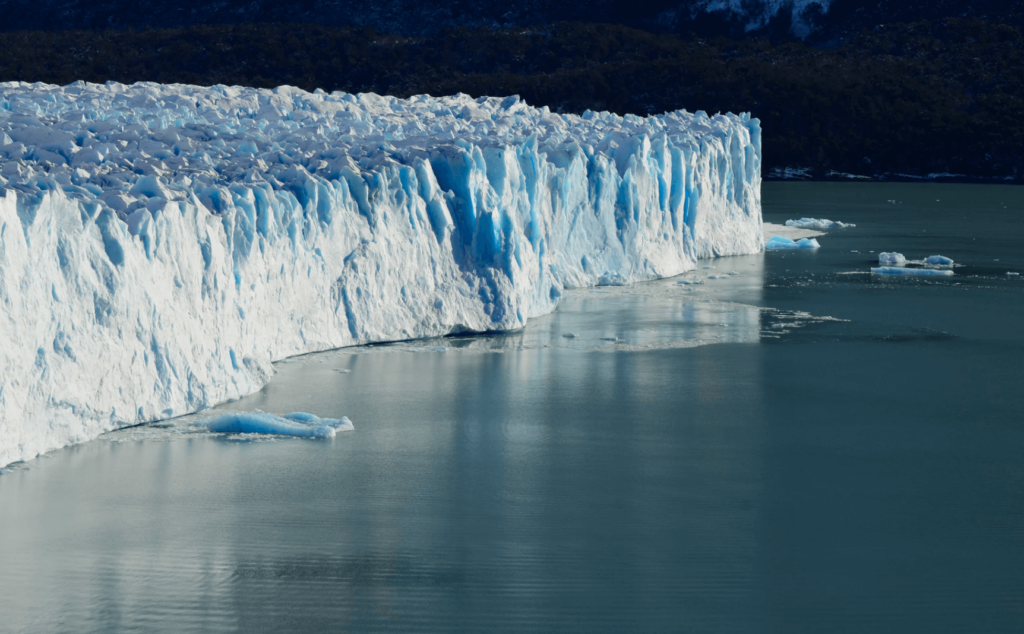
x=818 y=223
x=892 y=259
x=570 y=335
x=341 y=424
x=938 y=260
x=295 y=424
x=895 y=270
x=779 y=242
x=1012 y=273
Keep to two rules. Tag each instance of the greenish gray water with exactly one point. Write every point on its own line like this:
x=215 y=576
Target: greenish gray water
x=801 y=447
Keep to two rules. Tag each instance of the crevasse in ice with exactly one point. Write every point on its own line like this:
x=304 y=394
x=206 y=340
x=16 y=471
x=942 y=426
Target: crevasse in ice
x=161 y=245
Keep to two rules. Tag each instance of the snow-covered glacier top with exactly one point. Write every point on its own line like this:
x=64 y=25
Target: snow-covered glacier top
x=161 y=244
x=113 y=142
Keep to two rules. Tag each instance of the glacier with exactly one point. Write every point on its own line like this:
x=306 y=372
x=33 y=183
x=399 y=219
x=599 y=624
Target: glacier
x=162 y=245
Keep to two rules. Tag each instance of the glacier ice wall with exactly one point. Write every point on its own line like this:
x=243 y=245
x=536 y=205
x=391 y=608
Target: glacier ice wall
x=161 y=245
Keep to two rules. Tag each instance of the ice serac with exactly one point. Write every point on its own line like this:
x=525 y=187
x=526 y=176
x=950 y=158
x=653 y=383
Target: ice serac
x=161 y=245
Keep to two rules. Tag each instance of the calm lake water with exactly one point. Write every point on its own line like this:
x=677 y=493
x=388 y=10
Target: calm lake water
x=801 y=447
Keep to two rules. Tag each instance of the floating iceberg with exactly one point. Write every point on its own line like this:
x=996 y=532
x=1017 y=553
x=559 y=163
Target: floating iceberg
x=892 y=259
x=294 y=424
x=938 y=260
x=818 y=223
x=161 y=245
x=779 y=242
x=898 y=270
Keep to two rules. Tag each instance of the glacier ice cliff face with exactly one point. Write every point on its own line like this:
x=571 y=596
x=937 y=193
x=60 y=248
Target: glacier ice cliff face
x=161 y=245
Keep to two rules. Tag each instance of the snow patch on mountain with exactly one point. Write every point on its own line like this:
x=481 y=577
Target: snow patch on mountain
x=754 y=15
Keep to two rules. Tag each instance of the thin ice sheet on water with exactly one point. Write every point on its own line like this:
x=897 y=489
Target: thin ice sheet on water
x=894 y=270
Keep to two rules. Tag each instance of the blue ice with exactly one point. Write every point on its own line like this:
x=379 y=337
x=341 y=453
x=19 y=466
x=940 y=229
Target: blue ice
x=779 y=242
x=939 y=260
x=295 y=424
x=894 y=270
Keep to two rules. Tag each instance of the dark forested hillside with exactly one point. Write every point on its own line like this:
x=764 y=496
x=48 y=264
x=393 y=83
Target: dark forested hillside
x=933 y=96
x=820 y=20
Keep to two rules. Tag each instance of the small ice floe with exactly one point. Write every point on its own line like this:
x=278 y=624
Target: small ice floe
x=1013 y=274
x=779 y=242
x=892 y=259
x=898 y=270
x=570 y=335
x=938 y=260
x=690 y=282
x=732 y=273
x=707 y=267
x=615 y=339
x=439 y=349
x=717 y=277
x=818 y=223
x=342 y=370
x=295 y=424
x=6 y=471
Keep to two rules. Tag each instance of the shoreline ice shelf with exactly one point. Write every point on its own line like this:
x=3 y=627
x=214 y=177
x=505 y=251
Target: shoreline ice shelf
x=160 y=245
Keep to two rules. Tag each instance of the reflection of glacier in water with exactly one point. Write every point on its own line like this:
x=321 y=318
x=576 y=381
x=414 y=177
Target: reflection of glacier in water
x=650 y=316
